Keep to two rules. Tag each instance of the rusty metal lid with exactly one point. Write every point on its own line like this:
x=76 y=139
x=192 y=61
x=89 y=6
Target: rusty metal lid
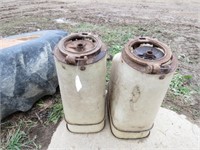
x=148 y=52
x=80 y=49
x=150 y=56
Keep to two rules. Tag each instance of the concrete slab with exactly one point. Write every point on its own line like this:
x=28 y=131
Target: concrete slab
x=171 y=131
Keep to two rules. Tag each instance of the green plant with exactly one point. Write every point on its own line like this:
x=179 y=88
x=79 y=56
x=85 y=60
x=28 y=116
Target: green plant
x=112 y=51
x=180 y=85
x=18 y=139
x=56 y=113
x=115 y=49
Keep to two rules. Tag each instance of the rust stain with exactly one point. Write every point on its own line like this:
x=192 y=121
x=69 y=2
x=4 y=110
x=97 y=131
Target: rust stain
x=11 y=42
x=80 y=49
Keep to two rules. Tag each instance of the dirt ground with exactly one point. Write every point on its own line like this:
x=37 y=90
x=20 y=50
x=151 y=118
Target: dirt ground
x=175 y=22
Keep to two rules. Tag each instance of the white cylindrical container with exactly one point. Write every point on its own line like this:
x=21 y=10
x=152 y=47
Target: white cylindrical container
x=140 y=77
x=81 y=67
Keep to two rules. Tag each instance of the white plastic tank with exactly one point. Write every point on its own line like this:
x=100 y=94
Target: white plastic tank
x=81 y=67
x=140 y=77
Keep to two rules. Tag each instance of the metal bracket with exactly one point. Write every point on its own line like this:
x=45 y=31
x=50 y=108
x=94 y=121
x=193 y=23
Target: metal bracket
x=156 y=69
x=82 y=62
x=77 y=61
x=70 y=59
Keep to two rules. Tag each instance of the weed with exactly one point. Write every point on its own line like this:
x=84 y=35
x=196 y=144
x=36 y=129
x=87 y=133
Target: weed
x=40 y=103
x=56 y=113
x=18 y=139
x=180 y=85
x=112 y=51
x=115 y=49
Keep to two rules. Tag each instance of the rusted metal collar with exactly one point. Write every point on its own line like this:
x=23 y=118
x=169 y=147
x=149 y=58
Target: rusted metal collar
x=80 y=49
x=149 y=56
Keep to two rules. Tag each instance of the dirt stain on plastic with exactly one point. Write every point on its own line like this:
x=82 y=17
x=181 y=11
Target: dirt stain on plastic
x=135 y=97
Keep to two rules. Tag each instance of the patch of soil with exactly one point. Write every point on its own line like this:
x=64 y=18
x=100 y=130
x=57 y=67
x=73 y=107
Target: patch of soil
x=44 y=134
x=190 y=110
x=38 y=126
